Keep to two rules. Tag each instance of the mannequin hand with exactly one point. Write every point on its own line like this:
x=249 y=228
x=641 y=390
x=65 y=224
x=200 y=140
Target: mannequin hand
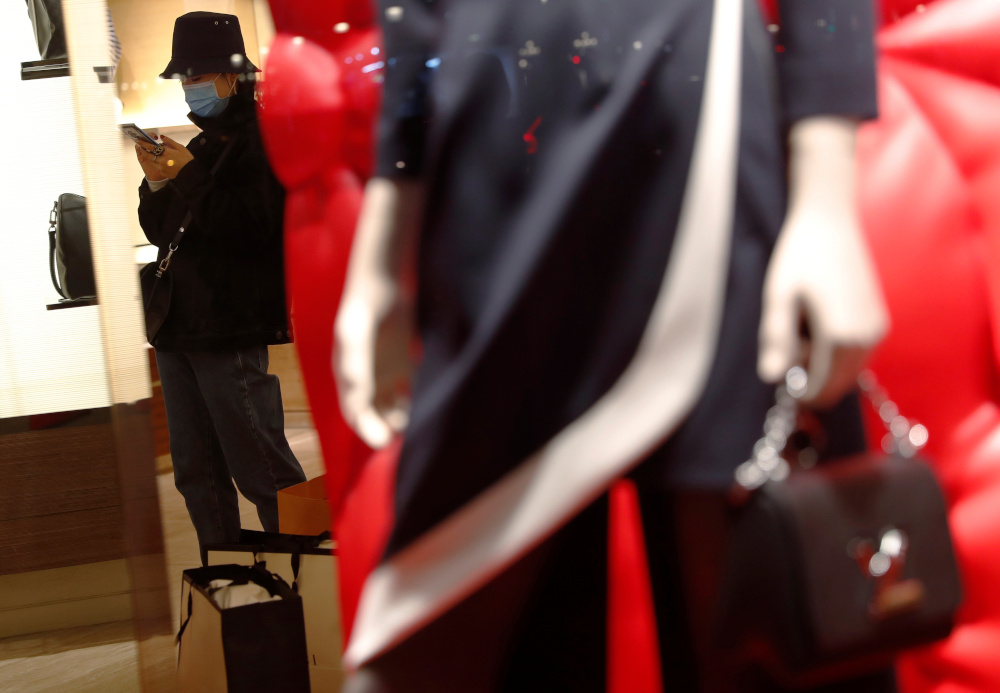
x=821 y=277
x=374 y=326
x=372 y=362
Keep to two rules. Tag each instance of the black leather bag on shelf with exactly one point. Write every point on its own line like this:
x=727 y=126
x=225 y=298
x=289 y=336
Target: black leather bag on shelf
x=47 y=21
x=70 y=263
x=836 y=569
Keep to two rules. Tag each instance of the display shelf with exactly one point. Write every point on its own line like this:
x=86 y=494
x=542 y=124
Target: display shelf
x=75 y=303
x=42 y=69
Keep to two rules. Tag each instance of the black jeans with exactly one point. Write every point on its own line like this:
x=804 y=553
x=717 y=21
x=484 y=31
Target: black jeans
x=226 y=424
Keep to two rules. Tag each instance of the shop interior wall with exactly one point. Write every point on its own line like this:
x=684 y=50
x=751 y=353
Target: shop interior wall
x=49 y=360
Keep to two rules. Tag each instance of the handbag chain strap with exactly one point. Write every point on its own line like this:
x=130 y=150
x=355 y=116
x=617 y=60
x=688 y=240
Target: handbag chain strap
x=173 y=246
x=903 y=437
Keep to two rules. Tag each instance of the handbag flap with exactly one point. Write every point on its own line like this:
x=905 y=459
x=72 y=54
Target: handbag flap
x=877 y=565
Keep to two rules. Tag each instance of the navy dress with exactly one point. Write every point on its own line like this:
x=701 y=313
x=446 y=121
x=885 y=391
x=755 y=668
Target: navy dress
x=548 y=229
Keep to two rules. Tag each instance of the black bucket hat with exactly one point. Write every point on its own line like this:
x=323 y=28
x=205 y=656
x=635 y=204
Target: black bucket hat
x=206 y=42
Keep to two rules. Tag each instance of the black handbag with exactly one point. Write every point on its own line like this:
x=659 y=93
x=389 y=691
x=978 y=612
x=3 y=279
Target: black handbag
x=154 y=280
x=837 y=568
x=70 y=264
x=47 y=21
x=157 y=289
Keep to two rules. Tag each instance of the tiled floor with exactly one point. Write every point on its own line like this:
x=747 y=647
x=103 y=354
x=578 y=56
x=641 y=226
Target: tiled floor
x=103 y=659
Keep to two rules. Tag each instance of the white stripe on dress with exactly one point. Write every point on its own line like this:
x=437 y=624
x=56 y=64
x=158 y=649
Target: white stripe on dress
x=648 y=402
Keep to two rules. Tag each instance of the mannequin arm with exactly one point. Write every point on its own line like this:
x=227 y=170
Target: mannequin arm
x=821 y=275
x=374 y=326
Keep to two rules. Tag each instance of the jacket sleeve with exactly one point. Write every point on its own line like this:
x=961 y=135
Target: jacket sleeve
x=241 y=204
x=826 y=58
x=153 y=213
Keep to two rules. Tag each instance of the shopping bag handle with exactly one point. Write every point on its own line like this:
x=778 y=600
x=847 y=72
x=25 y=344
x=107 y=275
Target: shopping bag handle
x=177 y=640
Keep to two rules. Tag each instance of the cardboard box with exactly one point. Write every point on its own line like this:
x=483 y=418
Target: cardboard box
x=302 y=509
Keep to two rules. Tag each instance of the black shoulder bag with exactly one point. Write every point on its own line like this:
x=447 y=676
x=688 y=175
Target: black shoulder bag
x=156 y=284
x=47 y=21
x=70 y=264
x=837 y=568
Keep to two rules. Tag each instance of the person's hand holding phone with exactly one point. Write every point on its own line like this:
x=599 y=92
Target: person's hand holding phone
x=163 y=166
x=149 y=169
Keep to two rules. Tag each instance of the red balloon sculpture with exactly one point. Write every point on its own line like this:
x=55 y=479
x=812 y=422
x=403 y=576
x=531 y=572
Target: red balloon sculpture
x=319 y=102
x=930 y=199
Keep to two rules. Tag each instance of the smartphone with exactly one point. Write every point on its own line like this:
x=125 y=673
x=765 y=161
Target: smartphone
x=137 y=134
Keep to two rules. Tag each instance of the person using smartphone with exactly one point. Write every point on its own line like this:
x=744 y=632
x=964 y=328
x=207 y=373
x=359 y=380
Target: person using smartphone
x=227 y=299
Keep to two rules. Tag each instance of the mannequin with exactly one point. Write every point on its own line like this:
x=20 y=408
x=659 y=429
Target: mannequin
x=819 y=272
x=960 y=439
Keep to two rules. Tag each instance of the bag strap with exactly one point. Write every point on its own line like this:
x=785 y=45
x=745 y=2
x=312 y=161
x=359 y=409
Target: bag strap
x=296 y=562
x=177 y=640
x=176 y=243
x=904 y=436
x=53 y=219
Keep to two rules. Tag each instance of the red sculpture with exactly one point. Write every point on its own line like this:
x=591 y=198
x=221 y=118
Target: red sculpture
x=929 y=182
x=320 y=99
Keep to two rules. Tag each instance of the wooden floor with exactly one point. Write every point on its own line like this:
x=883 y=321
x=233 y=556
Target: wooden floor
x=104 y=658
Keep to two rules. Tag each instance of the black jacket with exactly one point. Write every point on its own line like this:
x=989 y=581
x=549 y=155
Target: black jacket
x=228 y=275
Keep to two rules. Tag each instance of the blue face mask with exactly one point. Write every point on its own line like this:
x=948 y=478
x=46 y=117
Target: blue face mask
x=203 y=100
